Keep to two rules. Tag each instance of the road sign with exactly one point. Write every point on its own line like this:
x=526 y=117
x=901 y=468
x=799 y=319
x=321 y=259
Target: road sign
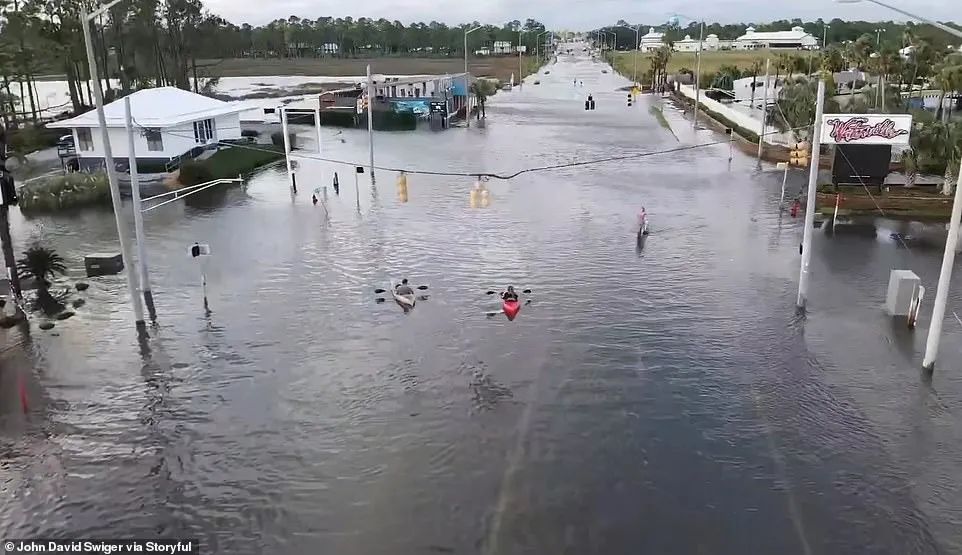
x=198 y=249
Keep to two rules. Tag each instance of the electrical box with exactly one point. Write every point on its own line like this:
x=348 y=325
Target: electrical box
x=903 y=288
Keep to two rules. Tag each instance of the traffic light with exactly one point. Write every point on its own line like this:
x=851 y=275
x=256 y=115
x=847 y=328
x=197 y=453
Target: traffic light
x=799 y=154
x=629 y=100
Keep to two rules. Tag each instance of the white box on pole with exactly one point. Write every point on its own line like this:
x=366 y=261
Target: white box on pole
x=903 y=285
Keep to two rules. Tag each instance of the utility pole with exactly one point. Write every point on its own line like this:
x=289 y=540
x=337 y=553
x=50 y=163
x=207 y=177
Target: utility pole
x=945 y=276
x=370 y=119
x=112 y=177
x=287 y=151
x=761 y=137
x=138 y=215
x=701 y=36
x=520 y=62
x=6 y=242
x=803 y=276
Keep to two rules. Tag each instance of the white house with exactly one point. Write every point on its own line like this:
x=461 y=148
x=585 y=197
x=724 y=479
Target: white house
x=169 y=123
x=796 y=38
x=712 y=42
x=329 y=48
x=686 y=44
x=502 y=47
x=742 y=91
x=652 y=40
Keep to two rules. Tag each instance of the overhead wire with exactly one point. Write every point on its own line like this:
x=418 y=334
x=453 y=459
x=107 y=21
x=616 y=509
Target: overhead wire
x=504 y=176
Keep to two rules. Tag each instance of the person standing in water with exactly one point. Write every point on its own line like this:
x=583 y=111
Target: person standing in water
x=337 y=189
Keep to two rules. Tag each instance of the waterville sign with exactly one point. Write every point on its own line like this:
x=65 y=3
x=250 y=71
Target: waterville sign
x=866 y=129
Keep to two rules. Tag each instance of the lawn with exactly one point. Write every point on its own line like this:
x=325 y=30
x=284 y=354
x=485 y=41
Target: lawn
x=500 y=67
x=234 y=161
x=711 y=60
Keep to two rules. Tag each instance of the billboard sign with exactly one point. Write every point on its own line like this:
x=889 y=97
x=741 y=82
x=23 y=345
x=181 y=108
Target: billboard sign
x=866 y=129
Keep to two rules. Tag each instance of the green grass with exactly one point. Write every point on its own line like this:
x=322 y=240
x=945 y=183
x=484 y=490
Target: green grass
x=234 y=161
x=711 y=60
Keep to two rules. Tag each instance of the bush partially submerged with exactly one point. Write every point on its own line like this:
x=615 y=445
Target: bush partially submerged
x=72 y=190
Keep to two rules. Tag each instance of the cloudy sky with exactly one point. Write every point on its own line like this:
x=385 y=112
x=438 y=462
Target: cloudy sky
x=576 y=14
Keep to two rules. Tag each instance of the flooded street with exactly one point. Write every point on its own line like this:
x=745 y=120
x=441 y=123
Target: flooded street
x=663 y=399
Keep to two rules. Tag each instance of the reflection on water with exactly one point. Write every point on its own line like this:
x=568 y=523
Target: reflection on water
x=656 y=400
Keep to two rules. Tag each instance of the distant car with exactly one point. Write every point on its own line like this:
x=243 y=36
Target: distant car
x=65 y=141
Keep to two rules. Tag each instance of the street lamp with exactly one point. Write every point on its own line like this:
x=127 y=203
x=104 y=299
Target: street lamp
x=520 y=62
x=537 y=45
x=701 y=37
x=825 y=29
x=467 y=97
x=948 y=257
x=637 y=30
x=85 y=19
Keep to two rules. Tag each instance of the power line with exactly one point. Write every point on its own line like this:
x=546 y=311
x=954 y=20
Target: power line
x=506 y=176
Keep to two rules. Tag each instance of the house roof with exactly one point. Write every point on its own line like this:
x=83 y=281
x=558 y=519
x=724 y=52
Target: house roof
x=158 y=107
x=652 y=34
x=796 y=34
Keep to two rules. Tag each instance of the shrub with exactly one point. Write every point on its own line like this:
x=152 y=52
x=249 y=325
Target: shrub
x=31 y=138
x=193 y=172
x=250 y=133
x=72 y=190
x=277 y=138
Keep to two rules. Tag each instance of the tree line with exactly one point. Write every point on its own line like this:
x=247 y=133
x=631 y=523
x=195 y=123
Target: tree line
x=149 y=43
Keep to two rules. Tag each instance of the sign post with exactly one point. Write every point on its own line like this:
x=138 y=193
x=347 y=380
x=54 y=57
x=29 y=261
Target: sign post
x=196 y=251
x=804 y=271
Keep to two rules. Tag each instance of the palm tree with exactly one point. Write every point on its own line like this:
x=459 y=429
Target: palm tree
x=41 y=263
x=481 y=89
x=910 y=166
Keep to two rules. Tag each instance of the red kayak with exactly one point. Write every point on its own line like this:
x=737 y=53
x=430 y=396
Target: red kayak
x=511 y=308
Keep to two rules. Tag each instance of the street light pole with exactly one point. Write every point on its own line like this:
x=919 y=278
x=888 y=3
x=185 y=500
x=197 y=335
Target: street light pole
x=520 y=61
x=467 y=97
x=138 y=215
x=112 y=171
x=761 y=137
x=701 y=36
x=824 y=34
x=804 y=271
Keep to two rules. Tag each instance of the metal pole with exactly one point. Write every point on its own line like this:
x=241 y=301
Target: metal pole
x=287 y=150
x=370 y=120
x=764 y=114
x=803 y=276
x=731 y=144
x=317 y=126
x=112 y=179
x=467 y=102
x=781 y=199
x=701 y=34
x=138 y=216
x=945 y=276
x=357 y=191
x=520 y=62
x=637 y=41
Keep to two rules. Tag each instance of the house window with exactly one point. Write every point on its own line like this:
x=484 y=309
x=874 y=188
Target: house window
x=85 y=139
x=203 y=131
x=155 y=140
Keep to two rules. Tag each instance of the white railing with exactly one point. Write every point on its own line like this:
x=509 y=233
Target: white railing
x=185 y=192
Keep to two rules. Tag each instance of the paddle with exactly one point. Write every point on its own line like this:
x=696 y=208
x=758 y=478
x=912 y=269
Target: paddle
x=419 y=287
x=493 y=292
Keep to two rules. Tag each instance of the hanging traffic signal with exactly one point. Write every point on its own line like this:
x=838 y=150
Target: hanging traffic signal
x=799 y=155
x=629 y=100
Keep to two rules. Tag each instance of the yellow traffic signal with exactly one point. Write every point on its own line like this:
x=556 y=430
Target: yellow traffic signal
x=799 y=154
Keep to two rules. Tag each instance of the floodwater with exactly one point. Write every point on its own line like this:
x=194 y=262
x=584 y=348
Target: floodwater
x=657 y=398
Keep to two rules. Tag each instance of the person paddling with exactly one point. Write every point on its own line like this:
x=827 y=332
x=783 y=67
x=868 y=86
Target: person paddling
x=510 y=295
x=403 y=288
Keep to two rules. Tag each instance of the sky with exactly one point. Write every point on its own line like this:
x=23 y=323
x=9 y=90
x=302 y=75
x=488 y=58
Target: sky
x=578 y=15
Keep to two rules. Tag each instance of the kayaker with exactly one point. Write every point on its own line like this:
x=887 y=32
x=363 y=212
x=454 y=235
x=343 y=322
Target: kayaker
x=403 y=288
x=510 y=295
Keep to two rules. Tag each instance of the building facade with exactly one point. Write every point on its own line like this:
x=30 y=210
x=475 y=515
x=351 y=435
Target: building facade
x=652 y=40
x=796 y=38
x=169 y=124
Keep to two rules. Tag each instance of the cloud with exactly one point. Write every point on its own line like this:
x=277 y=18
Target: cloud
x=574 y=14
